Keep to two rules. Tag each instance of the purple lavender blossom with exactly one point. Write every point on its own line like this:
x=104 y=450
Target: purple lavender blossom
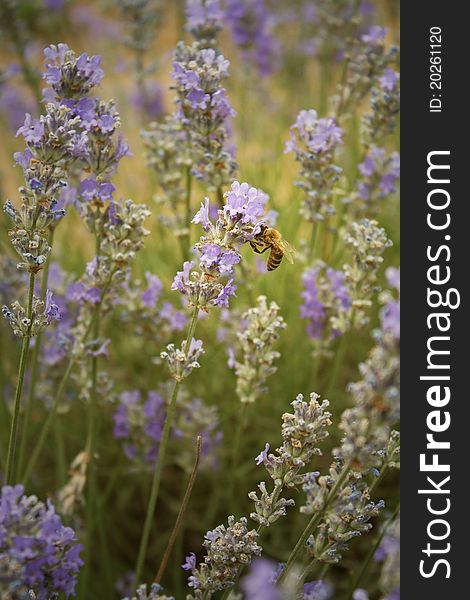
x=204 y=19
x=317 y=134
x=37 y=552
x=70 y=77
x=317 y=590
x=313 y=141
x=149 y=99
x=90 y=189
x=389 y=79
x=259 y=584
x=374 y=35
x=204 y=111
x=250 y=23
x=390 y=313
x=139 y=423
x=237 y=223
x=324 y=296
x=380 y=173
x=190 y=562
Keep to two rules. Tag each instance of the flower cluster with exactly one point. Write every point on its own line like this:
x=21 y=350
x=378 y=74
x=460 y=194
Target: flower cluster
x=250 y=23
x=345 y=517
x=69 y=77
x=141 y=19
x=330 y=25
x=53 y=141
x=380 y=172
x=204 y=111
x=366 y=427
x=314 y=140
x=168 y=154
x=238 y=222
x=228 y=549
x=325 y=297
x=182 y=361
x=105 y=277
x=138 y=422
x=367 y=242
x=367 y=61
x=385 y=106
x=37 y=553
x=42 y=314
x=260 y=331
x=71 y=80
x=204 y=21
x=302 y=431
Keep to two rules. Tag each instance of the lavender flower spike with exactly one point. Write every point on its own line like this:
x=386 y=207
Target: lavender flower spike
x=240 y=219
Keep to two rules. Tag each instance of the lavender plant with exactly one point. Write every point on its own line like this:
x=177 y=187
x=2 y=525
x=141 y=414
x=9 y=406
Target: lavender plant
x=142 y=19
x=210 y=285
x=53 y=143
x=256 y=341
x=39 y=557
x=204 y=20
x=230 y=550
x=313 y=141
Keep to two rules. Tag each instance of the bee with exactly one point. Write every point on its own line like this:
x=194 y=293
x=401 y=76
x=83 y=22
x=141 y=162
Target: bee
x=271 y=239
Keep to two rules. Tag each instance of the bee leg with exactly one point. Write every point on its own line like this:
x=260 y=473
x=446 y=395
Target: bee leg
x=256 y=249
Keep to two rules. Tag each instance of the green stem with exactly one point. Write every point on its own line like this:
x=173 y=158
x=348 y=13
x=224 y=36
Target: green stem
x=12 y=442
x=371 y=553
x=182 y=511
x=339 y=357
x=313 y=523
x=239 y=428
x=90 y=447
x=60 y=391
x=91 y=475
x=160 y=462
x=33 y=371
x=187 y=237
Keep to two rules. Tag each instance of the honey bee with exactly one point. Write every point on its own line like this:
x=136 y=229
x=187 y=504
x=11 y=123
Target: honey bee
x=271 y=239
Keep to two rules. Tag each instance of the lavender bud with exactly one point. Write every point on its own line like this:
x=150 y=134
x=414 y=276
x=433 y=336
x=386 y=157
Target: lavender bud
x=228 y=549
x=180 y=362
x=261 y=329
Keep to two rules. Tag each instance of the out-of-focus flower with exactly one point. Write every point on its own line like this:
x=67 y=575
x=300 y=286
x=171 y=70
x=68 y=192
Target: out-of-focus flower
x=251 y=25
x=314 y=140
x=37 y=552
x=138 y=421
x=204 y=111
x=204 y=19
x=325 y=296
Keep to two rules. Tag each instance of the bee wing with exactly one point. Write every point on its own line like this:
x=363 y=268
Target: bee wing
x=289 y=251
